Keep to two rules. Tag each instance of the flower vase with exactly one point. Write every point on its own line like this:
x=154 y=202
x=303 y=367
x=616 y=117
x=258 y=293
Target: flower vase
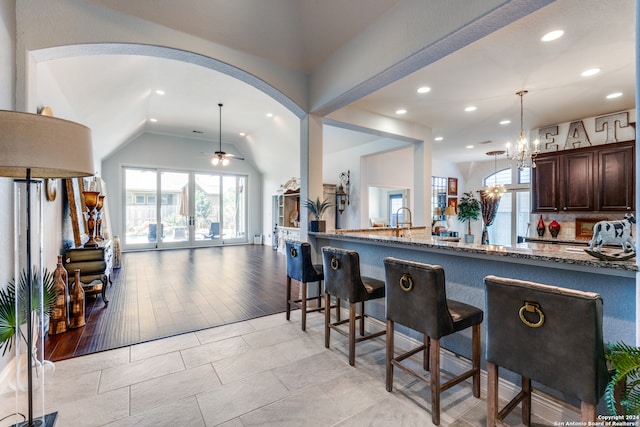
x=554 y=228
x=540 y=228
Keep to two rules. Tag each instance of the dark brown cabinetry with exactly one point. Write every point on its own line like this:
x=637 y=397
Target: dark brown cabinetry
x=599 y=178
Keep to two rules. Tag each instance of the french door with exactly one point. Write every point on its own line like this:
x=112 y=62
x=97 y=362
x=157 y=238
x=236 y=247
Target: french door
x=168 y=209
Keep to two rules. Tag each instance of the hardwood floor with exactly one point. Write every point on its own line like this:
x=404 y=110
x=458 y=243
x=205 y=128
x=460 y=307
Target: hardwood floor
x=157 y=294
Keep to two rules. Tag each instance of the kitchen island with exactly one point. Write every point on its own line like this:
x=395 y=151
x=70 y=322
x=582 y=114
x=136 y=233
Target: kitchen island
x=466 y=265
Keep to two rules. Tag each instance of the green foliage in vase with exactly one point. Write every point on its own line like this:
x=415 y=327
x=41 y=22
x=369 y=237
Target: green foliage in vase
x=469 y=209
x=317 y=208
x=9 y=319
x=625 y=359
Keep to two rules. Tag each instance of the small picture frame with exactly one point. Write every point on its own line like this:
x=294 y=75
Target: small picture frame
x=453 y=202
x=452 y=186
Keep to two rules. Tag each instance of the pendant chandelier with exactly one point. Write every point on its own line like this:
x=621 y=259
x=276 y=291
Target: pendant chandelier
x=523 y=153
x=495 y=190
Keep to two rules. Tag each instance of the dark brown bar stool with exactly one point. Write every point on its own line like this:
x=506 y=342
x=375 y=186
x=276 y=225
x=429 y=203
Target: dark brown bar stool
x=343 y=281
x=546 y=334
x=416 y=298
x=301 y=268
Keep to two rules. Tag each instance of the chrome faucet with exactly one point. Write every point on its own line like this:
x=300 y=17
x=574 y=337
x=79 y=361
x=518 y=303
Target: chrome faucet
x=403 y=223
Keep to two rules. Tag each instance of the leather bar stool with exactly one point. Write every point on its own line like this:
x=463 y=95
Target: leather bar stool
x=417 y=299
x=343 y=281
x=546 y=334
x=301 y=268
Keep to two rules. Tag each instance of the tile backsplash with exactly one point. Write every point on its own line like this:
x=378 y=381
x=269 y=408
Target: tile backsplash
x=567 y=223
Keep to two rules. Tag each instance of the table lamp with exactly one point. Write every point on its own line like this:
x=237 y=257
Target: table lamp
x=449 y=212
x=33 y=147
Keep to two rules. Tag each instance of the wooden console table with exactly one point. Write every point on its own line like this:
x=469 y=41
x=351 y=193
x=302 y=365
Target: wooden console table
x=95 y=267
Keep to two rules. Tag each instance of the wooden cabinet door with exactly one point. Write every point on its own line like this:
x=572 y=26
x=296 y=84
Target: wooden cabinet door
x=544 y=182
x=616 y=178
x=576 y=181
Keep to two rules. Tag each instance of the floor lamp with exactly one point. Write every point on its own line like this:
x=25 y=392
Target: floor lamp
x=34 y=147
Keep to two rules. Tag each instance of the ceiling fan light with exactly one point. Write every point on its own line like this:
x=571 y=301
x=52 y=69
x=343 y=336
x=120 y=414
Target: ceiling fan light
x=214 y=160
x=225 y=161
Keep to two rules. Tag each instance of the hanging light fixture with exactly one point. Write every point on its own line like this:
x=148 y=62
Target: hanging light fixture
x=495 y=190
x=523 y=153
x=220 y=157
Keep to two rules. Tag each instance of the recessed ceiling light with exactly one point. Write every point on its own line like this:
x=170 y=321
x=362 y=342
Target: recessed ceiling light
x=590 y=72
x=438 y=138
x=505 y=122
x=269 y=114
x=471 y=108
x=197 y=131
x=153 y=120
x=469 y=146
x=552 y=35
x=242 y=134
x=401 y=111
x=160 y=92
x=614 y=95
x=424 y=89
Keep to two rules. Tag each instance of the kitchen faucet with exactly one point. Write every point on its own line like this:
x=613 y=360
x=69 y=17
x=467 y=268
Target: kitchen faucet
x=398 y=223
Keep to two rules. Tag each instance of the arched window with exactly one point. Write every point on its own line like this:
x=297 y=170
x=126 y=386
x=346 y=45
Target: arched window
x=500 y=177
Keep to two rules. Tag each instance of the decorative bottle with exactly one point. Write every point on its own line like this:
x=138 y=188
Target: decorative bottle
x=554 y=228
x=59 y=320
x=76 y=317
x=540 y=228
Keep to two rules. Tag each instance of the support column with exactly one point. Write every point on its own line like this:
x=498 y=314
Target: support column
x=310 y=166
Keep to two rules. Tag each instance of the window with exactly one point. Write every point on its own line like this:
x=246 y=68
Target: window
x=501 y=177
x=512 y=220
x=140 y=200
x=438 y=195
x=395 y=203
x=151 y=199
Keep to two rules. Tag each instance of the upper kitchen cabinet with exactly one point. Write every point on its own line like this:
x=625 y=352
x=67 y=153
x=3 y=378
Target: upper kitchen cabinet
x=598 y=178
x=616 y=176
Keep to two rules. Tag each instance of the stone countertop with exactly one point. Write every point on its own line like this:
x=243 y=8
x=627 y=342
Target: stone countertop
x=541 y=252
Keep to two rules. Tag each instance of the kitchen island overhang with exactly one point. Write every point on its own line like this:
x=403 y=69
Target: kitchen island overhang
x=466 y=266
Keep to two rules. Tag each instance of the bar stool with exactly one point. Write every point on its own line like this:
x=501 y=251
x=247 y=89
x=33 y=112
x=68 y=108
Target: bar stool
x=343 y=281
x=301 y=268
x=546 y=334
x=416 y=298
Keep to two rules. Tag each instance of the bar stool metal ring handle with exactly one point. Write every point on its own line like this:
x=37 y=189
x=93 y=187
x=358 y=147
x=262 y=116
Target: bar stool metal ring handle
x=293 y=252
x=406 y=282
x=531 y=307
x=335 y=264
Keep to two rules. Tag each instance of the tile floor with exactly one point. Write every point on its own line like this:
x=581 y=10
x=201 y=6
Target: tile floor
x=264 y=372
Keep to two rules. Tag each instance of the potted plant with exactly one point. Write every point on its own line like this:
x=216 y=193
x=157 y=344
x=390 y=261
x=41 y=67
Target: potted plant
x=9 y=319
x=469 y=209
x=317 y=208
x=625 y=359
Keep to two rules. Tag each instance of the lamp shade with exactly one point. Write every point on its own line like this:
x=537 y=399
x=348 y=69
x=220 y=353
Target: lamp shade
x=450 y=211
x=48 y=146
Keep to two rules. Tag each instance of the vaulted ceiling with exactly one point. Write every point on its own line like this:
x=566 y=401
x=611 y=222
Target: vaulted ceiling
x=115 y=94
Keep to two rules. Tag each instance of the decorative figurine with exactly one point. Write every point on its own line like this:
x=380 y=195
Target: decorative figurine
x=554 y=228
x=540 y=228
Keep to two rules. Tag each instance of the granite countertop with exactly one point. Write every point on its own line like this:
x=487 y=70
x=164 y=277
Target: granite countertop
x=564 y=254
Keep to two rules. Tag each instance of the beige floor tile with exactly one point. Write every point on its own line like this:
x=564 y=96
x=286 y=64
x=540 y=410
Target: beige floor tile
x=184 y=413
x=92 y=362
x=250 y=363
x=96 y=410
x=164 y=346
x=206 y=336
x=190 y=382
x=142 y=370
x=240 y=397
x=275 y=335
x=214 y=351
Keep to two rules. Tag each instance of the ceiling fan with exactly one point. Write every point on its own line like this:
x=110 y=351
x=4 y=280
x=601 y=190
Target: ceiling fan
x=220 y=156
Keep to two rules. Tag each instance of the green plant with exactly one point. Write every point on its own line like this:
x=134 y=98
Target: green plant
x=317 y=207
x=625 y=359
x=9 y=319
x=469 y=209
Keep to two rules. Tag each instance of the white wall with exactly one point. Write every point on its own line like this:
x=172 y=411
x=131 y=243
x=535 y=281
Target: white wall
x=179 y=154
x=364 y=163
x=7 y=96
